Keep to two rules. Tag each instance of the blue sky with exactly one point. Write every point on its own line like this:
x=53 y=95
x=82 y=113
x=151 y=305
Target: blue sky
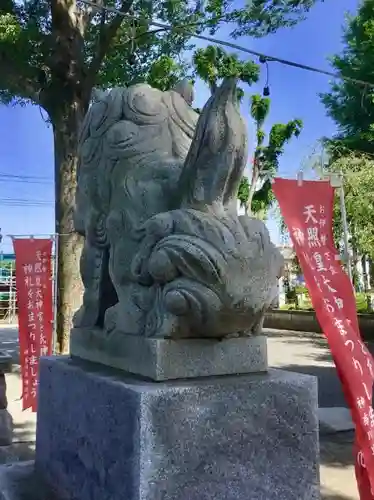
x=27 y=144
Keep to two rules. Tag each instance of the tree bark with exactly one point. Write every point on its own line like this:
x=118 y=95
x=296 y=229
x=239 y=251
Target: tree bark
x=354 y=262
x=66 y=98
x=365 y=277
x=66 y=126
x=252 y=190
x=371 y=273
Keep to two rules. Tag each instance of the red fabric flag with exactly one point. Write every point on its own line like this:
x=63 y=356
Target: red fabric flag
x=35 y=310
x=307 y=209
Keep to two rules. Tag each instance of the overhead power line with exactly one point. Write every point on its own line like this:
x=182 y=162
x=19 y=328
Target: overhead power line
x=25 y=202
x=27 y=179
x=234 y=46
x=25 y=205
x=6 y=180
x=24 y=176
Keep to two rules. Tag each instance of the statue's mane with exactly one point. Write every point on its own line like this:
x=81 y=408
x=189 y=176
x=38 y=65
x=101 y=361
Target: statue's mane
x=127 y=124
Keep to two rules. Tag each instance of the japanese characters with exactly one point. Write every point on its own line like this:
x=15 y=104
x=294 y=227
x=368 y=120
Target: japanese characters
x=34 y=287
x=308 y=212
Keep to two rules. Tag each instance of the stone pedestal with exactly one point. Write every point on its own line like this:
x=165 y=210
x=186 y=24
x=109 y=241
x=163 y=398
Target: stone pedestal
x=165 y=359
x=102 y=435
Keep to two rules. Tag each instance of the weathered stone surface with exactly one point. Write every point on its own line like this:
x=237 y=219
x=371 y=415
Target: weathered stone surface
x=19 y=481
x=166 y=255
x=3 y=396
x=5 y=362
x=165 y=359
x=101 y=436
x=6 y=428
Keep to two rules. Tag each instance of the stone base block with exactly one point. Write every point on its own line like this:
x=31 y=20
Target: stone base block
x=5 y=362
x=102 y=436
x=6 y=428
x=164 y=359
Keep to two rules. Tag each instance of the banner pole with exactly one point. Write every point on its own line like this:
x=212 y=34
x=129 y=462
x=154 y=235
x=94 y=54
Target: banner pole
x=337 y=181
x=345 y=228
x=55 y=292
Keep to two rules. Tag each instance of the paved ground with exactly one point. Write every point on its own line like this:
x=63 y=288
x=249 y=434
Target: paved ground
x=309 y=353
x=24 y=422
x=294 y=351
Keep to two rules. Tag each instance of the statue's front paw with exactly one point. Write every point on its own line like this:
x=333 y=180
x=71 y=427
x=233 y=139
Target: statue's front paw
x=110 y=320
x=78 y=317
x=85 y=317
x=155 y=228
x=161 y=267
x=176 y=303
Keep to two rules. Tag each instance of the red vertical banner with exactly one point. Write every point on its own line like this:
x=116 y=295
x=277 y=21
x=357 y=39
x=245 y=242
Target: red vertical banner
x=307 y=209
x=35 y=310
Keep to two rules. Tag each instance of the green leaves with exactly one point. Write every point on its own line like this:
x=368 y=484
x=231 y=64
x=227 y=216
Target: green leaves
x=262 y=17
x=213 y=63
x=10 y=29
x=165 y=73
x=256 y=194
x=266 y=158
x=22 y=49
x=351 y=105
x=358 y=175
x=31 y=35
x=260 y=107
x=243 y=191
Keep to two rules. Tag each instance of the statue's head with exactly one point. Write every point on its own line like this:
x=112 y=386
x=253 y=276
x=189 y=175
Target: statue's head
x=132 y=125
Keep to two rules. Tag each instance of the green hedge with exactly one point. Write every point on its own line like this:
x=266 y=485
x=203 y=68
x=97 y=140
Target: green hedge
x=306 y=305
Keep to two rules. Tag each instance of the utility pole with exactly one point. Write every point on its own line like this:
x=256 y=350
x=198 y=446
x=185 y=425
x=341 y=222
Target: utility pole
x=338 y=182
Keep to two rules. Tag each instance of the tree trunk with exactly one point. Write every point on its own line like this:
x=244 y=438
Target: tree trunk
x=371 y=273
x=252 y=190
x=66 y=126
x=355 y=276
x=365 y=277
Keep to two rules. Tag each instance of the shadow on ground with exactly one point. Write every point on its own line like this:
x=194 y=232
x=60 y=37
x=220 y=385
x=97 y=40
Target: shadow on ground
x=330 y=393
x=337 y=449
x=315 y=344
x=316 y=340
x=327 y=495
x=308 y=353
x=9 y=342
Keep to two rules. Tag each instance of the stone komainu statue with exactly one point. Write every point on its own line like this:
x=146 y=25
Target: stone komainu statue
x=165 y=253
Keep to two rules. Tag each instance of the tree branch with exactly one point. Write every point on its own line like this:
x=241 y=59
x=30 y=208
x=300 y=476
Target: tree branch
x=67 y=55
x=107 y=33
x=88 y=12
x=19 y=81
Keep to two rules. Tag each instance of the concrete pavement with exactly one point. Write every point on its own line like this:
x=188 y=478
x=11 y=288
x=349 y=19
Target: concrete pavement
x=309 y=353
x=24 y=421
